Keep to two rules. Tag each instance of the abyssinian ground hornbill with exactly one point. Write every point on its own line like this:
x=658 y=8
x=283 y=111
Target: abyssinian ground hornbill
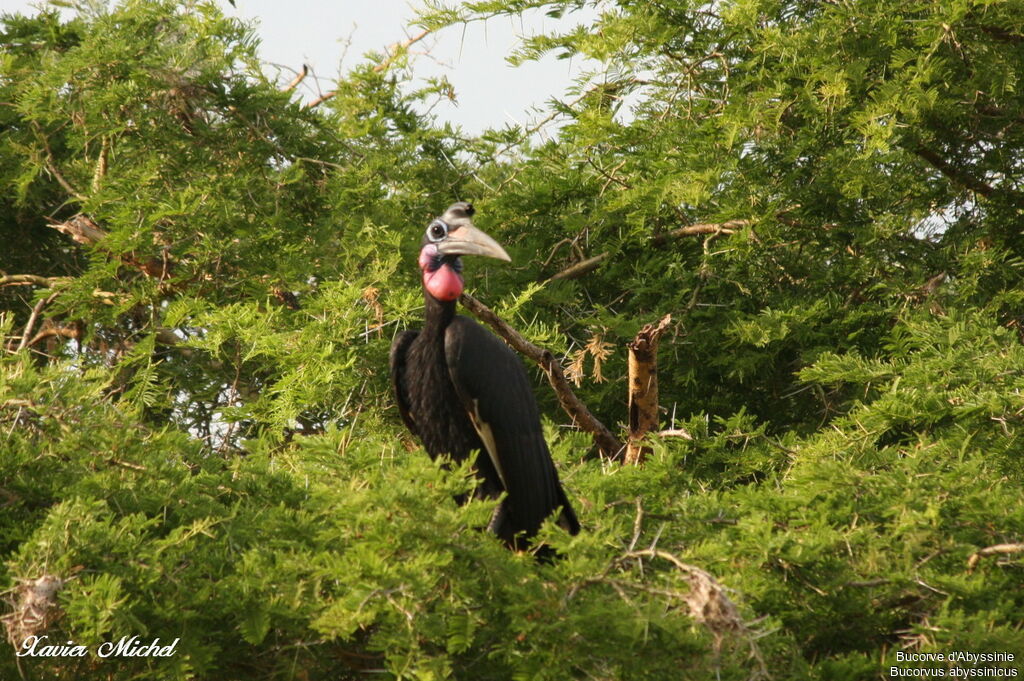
x=460 y=389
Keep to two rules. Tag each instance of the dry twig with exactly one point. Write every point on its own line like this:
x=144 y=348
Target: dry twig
x=30 y=280
x=27 y=332
x=728 y=227
x=294 y=82
x=587 y=265
x=581 y=268
x=998 y=549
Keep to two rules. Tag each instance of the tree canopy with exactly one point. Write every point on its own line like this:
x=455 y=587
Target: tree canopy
x=201 y=275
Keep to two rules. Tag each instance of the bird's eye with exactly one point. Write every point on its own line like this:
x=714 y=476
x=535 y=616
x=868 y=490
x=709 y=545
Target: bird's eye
x=437 y=230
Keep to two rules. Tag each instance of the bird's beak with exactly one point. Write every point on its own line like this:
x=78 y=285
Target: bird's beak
x=468 y=240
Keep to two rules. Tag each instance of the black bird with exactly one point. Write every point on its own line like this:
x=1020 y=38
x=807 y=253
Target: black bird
x=460 y=389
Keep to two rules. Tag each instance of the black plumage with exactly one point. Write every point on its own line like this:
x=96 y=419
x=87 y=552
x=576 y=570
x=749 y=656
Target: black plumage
x=460 y=390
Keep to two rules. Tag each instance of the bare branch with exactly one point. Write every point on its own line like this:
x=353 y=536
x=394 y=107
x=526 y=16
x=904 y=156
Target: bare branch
x=30 y=280
x=556 y=112
x=84 y=230
x=581 y=268
x=867 y=583
x=607 y=443
x=709 y=604
x=564 y=242
x=63 y=330
x=297 y=79
x=398 y=48
x=728 y=227
x=998 y=549
x=955 y=174
x=27 y=332
x=52 y=166
x=1003 y=34
x=638 y=524
x=321 y=99
x=964 y=179
x=588 y=265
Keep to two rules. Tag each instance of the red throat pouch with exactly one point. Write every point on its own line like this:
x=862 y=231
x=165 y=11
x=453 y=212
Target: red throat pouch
x=444 y=283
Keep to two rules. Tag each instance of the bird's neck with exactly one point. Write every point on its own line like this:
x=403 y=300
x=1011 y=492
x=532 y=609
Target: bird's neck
x=438 y=314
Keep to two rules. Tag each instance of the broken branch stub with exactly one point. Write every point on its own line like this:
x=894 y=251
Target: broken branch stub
x=643 y=388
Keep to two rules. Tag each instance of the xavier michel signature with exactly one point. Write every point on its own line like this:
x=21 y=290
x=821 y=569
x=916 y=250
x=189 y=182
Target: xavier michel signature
x=127 y=646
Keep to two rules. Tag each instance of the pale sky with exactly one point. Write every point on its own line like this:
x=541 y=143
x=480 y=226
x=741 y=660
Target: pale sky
x=333 y=36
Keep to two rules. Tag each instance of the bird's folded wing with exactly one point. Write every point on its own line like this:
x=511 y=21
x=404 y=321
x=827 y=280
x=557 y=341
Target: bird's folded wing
x=399 y=348
x=493 y=387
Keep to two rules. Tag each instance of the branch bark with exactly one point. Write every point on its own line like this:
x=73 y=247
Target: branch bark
x=101 y=164
x=727 y=227
x=297 y=79
x=1003 y=34
x=958 y=176
x=998 y=549
x=581 y=268
x=29 y=280
x=964 y=179
x=396 y=49
x=52 y=329
x=30 y=324
x=321 y=99
x=643 y=388
x=607 y=443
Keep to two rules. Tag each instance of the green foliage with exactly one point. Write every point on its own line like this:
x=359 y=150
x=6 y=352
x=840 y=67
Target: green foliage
x=196 y=432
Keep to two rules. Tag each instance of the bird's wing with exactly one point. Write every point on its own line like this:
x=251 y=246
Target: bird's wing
x=495 y=390
x=399 y=348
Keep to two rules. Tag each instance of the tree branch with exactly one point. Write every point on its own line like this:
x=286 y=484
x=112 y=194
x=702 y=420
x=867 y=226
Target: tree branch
x=1003 y=34
x=588 y=265
x=101 y=164
x=321 y=99
x=727 y=227
x=52 y=166
x=607 y=443
x=26 y=333
x=297 y=79
x=65 y=331
x=396 y=49
x=964 y=179
x=998 y=549
x=581 y=268
x=29 y=280
x=955 y=174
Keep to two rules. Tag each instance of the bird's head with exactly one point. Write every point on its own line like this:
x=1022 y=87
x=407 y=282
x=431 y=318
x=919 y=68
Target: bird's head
x=448 y=237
